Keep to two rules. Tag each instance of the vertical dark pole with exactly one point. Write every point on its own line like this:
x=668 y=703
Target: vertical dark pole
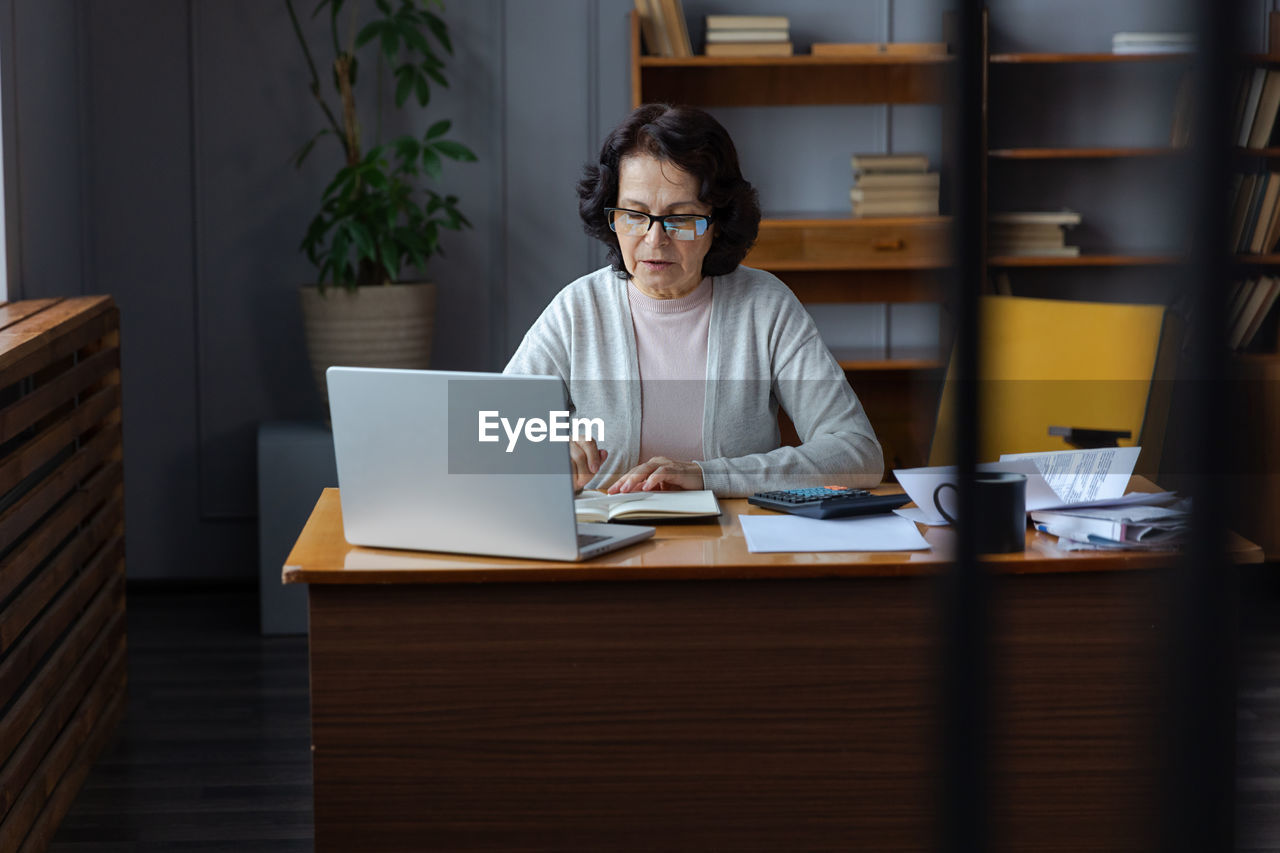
x=964 y=818
x=1201 y=735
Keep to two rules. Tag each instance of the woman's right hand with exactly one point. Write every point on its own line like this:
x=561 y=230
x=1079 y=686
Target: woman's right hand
x=586 y=461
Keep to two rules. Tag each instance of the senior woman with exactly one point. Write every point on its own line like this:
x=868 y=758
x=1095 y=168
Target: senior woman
x=684 y=354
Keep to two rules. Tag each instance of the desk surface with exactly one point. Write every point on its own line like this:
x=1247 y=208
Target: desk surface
x=709 y=550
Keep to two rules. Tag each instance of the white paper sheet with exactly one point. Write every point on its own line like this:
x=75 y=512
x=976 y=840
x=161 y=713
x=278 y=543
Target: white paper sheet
x=1083 y=475
x=920 y=484
x=793 y=533
x=1058 y=479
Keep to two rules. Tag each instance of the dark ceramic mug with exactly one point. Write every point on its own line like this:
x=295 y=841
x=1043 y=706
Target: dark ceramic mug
x=1000 y=519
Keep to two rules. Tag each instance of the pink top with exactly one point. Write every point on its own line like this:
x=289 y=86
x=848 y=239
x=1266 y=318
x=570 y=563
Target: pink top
x=671 y=343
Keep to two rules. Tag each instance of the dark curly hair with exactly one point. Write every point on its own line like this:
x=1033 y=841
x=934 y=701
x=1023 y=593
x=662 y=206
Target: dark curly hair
x=698 y=144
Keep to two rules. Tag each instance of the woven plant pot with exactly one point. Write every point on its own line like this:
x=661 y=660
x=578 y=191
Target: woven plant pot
x=387 y=325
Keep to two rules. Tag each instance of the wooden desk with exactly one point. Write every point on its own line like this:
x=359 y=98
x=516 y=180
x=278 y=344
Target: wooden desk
x=686 y=694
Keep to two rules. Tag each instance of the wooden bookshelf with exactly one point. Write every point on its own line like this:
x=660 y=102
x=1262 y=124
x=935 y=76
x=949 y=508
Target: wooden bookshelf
x=1083 y=58
x=887 y=359
x=1083 y=153
x=799 y=80
x=832 y=257
x=1114 y=260
x=804 y=241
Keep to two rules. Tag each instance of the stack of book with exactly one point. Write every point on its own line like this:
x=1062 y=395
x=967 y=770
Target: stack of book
x=1256 y=107
x=1255 y=213
x=893 y=185
x=666 y=33
x=1248 y=306
x=748 y=35
x=1153 y=43
x=1117 y=527
x=1038 y=233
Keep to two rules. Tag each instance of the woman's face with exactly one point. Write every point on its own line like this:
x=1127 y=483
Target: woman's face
x=660 y=265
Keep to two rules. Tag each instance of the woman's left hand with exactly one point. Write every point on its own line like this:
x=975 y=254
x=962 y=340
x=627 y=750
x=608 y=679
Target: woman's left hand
x=659 y=474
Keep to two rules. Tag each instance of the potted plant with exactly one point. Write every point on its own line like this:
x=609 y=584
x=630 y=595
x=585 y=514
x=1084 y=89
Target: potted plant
x=378 y=218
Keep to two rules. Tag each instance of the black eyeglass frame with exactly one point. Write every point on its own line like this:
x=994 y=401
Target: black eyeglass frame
x=661 y=220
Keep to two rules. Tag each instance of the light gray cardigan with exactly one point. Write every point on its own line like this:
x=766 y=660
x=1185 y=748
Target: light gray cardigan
x=763 y=350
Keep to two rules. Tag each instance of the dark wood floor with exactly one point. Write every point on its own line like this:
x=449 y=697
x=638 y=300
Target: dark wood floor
x=214 y=751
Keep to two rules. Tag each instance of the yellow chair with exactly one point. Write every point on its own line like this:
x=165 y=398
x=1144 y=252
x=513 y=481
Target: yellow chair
x=1049 y=363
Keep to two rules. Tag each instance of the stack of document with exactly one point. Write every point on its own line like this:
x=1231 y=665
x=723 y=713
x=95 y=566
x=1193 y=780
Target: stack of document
x=1080 y=483
x=1116 y=527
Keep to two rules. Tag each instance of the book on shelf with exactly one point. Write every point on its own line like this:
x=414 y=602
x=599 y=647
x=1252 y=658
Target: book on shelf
x=748 y=35
x=1130 y=43
x=750 y=48
x=1264 y=318
x=1260 y=313
x=893 y=185
x=898 y=207
x=1035 y=217
x=654 y=44
x=1254 y=224
x=645 y=506
x=889 y=163
x=1266 y=215
x=678 y=27
x=878 y=48
x=1264 y=120
x=748 y=22
x=665 y=30
x=1031 y=235
x=1249 y=109
x=1253 y=304
x=1239 y=210
x=730 y=36
x=1034 y=251
x=892 y=193
x=897 y=180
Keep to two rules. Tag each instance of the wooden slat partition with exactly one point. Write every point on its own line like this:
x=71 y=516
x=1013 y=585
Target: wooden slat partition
x=62 y=576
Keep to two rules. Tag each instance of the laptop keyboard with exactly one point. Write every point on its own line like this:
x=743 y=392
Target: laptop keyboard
x=587 y=539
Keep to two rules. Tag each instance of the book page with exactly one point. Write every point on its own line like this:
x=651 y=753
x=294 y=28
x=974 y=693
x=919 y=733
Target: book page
x=597 y=506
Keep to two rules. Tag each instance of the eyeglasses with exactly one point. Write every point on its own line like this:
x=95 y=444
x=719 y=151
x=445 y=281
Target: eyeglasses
x=680 y=226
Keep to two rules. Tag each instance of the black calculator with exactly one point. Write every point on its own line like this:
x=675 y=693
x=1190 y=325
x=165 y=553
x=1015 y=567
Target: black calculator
x=827 y=501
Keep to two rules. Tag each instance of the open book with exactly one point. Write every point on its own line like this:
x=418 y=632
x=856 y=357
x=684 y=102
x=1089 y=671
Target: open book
x=637 y=506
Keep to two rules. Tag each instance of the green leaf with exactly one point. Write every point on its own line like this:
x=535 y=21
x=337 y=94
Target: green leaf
x=439 y=30
x=390 y=42
x=424 y=91
x=455 y=150
x=414 y=38
x=407 y=148
x=431 y=162
x=440 y=128
x=405 y=75
x=390 y=258
x=370 y=32
x=437 y=76
x=363 y=240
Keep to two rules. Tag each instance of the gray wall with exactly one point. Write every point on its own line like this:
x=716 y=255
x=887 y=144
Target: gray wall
x=146 y=147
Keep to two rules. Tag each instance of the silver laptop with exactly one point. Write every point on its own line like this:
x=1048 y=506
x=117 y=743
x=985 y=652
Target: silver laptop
x=439 y=460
